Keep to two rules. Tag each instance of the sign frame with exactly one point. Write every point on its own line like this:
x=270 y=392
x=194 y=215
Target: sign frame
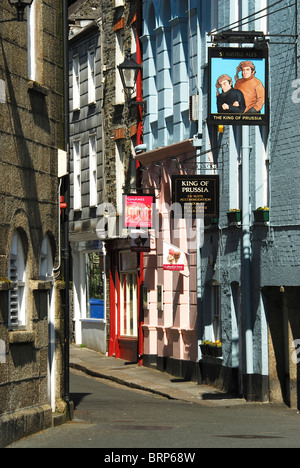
x=227 y=61
x=201 y=189
x=138 y=202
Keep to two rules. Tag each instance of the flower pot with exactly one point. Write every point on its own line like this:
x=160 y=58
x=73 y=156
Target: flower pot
x=216 y=351
x=204 y=349
x=234 y=216
x=261 y=216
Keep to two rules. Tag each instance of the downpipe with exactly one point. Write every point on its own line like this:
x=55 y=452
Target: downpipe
x=246 y=262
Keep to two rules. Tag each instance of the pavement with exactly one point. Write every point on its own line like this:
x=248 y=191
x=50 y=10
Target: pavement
x=147 y=379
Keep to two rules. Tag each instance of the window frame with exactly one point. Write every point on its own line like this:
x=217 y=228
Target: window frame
x=77 y=202
x=76 y=82
x=17 y=275
x=91 y=75
x=93 y=169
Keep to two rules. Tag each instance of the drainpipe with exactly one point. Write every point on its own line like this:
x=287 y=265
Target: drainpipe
x=66 y=188
x=246 y=262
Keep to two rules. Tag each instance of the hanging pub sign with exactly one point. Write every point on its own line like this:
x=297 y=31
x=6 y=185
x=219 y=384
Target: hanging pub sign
x=138 y=211
x=238 y=86
x=197 y=195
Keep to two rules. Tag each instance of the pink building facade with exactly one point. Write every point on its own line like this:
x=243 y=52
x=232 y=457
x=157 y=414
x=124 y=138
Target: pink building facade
x=170 y=297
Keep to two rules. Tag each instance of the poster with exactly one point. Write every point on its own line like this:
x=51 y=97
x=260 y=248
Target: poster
x=138 y=211
x=238 y=86
x=173 y=257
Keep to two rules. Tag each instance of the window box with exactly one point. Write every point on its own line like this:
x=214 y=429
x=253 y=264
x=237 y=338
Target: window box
x=211 y=348
x=261 y=215
x=210 y=221
x=234 y=216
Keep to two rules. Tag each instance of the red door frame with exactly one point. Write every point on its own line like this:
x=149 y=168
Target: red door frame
x=119 y=346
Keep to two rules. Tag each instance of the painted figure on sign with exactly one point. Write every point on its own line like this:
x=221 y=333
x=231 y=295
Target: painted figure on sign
x=252 y=88
x=230 y=100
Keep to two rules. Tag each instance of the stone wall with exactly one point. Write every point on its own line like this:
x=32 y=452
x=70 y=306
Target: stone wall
x=31 y=131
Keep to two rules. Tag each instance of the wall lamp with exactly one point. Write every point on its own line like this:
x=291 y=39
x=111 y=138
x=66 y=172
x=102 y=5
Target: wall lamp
x=20 y=6
x=129 y=70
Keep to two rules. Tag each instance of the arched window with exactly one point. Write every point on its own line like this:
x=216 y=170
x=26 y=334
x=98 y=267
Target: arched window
x=16 y=274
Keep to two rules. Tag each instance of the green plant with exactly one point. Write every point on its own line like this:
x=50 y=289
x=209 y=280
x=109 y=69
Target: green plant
x=215 y=344
x=263 y=208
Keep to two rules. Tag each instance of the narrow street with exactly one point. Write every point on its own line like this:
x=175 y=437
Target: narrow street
x=111 y=417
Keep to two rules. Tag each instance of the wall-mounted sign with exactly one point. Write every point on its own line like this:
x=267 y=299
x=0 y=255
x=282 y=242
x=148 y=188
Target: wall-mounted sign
x=173 y=257
x=196 y=194
x=140 y=243
x=138 y=211
x=238 y=86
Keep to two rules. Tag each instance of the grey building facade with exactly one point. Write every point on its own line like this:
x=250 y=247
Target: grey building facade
x=250 y=270
x=103 y=134
x=87 y=173
x=32 y=377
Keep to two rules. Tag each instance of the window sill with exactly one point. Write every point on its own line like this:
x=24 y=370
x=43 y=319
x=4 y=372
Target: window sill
x=6 y=285
x=21 y=336
x=39 y=285
x=37 y=88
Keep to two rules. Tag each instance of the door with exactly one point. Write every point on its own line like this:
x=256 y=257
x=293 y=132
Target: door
x=283 y=310
x=127 y=342
x=124 y=306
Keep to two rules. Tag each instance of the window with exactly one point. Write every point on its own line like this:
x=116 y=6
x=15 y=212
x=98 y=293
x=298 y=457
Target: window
x=119 y=59
x=235 y=320
x=91 y=76
x=46 y=261
x=77 y=175
x=93 y=170
x=16 y=274
x=216 y=311
x=34 y=72
x=76 y=83
x=120 y=178
x=94 y=262
x=128 y=320
x=213 y=311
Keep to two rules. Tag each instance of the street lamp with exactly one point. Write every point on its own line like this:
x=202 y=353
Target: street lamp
x=129 y=70
x=20 y=6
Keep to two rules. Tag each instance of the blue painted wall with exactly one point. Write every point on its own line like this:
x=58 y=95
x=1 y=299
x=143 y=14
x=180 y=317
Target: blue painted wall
x=173 y=71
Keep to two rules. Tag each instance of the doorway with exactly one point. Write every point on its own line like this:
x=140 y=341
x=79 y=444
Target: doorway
x=282 y=305
x=127 y=307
